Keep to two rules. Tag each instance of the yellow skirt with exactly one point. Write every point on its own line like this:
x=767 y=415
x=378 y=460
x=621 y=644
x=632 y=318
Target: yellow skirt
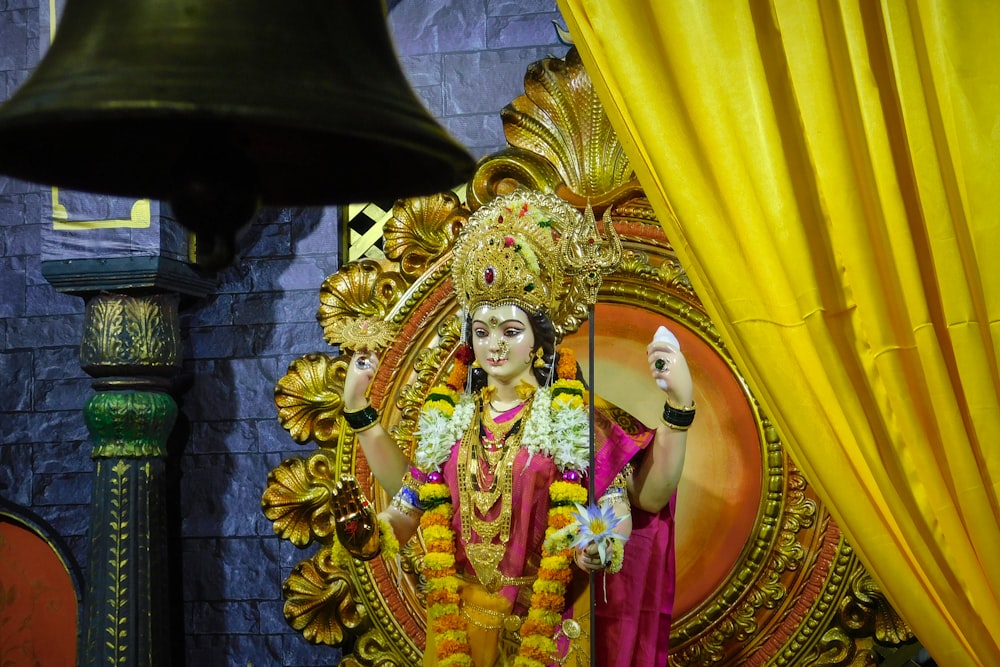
x=493 y=638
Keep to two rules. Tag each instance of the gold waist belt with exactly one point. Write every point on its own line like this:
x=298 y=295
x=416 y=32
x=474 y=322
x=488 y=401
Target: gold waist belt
x=499 y=580
x=490 y=619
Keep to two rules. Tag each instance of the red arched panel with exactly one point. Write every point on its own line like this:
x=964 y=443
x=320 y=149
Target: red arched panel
x=38 y=606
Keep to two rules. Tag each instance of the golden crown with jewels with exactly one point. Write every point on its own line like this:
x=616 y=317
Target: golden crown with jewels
x=534 y=251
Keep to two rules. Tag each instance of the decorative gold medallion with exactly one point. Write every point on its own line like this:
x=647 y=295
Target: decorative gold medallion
x=571 y=628
x=512 y=623
x=485 y=559
x=485 y=499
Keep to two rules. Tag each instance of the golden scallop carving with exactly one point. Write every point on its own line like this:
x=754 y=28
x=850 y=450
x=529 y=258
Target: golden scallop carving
x=560 y=118
x=318 y=599
x=358 y=289
x=320 y=594
x=421 y=230
x=297 y=498
x=309 y=400
x=559 y=138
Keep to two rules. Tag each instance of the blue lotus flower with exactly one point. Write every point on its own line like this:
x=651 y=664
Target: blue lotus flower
x=597 y=526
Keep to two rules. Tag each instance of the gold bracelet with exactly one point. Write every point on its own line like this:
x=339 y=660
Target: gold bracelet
x=361 y=420
x=404 y=507
x=677 y=407
x=365 y=428
x=677 y=419
x=673 y=427
x=611 y=498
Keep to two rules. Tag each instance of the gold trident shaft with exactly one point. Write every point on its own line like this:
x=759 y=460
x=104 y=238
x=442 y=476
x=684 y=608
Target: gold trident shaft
x=587 y=255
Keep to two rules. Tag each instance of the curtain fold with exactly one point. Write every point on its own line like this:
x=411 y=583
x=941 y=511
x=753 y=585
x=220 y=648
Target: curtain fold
x=828 y=174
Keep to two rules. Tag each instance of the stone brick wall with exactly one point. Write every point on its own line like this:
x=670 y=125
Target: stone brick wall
x=44 y=447
x=466 y=59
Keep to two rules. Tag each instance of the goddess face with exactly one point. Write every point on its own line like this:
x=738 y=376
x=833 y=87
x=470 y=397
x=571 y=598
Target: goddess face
x=503 y=342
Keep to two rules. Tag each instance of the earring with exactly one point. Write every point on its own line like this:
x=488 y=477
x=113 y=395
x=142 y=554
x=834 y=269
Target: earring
x=475 y=363
x=539 y=357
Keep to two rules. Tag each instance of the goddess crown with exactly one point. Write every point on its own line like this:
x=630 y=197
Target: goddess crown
x=513 y=251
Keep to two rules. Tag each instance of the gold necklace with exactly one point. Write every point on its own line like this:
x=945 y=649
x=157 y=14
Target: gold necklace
x=492 y=456
x=499 y=431
x=485 y=557
x=492 y=447
x=483 y=478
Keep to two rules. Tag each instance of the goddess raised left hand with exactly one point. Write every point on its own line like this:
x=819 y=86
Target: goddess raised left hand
x=669 y=368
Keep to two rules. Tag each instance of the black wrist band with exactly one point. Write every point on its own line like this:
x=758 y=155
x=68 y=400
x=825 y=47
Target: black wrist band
x=362 y=419
x=680 y=419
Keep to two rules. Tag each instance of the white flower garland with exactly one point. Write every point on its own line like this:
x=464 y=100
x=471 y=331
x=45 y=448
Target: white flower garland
x=438 y=430
x=555 y=430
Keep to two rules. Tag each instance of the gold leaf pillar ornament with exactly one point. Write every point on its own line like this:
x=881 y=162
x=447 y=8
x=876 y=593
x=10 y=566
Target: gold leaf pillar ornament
x=131 y=345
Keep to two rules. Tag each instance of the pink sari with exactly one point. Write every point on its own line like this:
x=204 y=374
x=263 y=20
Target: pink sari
x=529 y=518
x=633 y=626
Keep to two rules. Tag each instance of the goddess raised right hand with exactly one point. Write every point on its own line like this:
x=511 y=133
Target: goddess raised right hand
x=387 y=461
x=360 y=372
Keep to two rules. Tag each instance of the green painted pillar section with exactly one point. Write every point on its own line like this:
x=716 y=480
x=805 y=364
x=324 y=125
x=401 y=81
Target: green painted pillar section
x=131 y=345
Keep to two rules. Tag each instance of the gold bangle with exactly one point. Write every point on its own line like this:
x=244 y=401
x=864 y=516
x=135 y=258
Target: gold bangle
x=365 y=428
x=679 y=420
x=611 y=498
x=690 y=408
x=673 y=427
x=361 y=420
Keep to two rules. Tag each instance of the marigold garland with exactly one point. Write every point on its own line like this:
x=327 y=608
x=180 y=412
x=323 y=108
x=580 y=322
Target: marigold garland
x=567 y=396
x=443 y=601
x=566 y=365
x=548 y=599
x=387 y=539
x=463 y=357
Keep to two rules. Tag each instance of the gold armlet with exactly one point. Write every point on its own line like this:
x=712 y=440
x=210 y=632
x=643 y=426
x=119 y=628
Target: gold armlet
x=617 y=490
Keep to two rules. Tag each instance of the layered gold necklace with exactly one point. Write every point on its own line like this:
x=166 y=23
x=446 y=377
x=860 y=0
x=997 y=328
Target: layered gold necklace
x=486 y=475
x=493 y=447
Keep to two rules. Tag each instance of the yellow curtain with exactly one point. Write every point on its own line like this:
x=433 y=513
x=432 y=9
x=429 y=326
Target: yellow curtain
x=828 y=173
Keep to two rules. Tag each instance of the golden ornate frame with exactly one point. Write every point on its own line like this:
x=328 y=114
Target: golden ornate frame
x=764 y=576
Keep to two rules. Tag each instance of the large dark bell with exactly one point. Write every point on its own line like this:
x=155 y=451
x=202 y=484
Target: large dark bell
x=219 y=106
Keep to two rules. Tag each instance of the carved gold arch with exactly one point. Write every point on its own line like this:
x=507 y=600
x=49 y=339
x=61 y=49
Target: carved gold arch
x=764 y=575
